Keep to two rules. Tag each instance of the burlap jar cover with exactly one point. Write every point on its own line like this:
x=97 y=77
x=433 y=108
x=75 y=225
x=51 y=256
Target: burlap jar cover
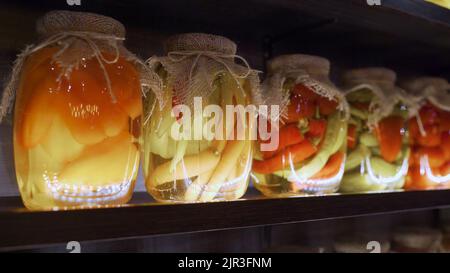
x=381 y=81
x=433 y=89
x=195 y=60
x=192 y=65
x=311 y=71
x=79 y=36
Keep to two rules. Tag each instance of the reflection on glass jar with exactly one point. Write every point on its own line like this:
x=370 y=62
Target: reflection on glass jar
x=77 y=115
x=208 y=161
x=430 y=135
x=310 y=156
x=377 y=142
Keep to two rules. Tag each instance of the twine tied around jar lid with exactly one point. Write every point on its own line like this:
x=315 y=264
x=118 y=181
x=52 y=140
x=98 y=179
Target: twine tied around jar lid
x=311 y=71
x=57 y=21
x=308 y=64
x=433 y=89
x=382 y=77
x=79 y=36
x=193 y=62
x=381 y=82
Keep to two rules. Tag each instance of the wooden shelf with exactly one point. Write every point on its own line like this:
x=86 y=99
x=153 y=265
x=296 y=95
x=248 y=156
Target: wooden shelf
x=21 y=228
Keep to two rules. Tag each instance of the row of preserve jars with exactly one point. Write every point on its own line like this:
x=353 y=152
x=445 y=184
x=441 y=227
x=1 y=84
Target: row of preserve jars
x=82 y=126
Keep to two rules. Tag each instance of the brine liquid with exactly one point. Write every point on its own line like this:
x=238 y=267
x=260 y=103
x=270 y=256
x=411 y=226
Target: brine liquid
x=199 y=187
x=72 y=145
x=277 y=186
x=303 y=135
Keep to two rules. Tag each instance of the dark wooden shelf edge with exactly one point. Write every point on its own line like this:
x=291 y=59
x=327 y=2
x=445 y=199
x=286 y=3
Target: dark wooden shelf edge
x=21 y=229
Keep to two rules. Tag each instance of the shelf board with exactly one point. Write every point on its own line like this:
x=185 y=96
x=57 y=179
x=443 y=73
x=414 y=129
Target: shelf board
x=23 y=229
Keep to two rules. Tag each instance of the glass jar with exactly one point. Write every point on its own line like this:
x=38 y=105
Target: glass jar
x=212 y=159
x=312 y=134
x=77 y=114
x=429 y=135
x=416 y=240
x=377 y=142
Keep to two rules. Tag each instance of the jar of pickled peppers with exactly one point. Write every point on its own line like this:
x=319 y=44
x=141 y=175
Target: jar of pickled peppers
x=77 y=114
x=429 y=132
x=212 y=159
x=377 y=142
x=310 y=157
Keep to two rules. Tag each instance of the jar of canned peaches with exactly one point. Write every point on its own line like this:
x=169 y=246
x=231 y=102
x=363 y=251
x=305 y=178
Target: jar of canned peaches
x=377 y=142
x=211 y=160
x=77 y=114
x=310 y=155
x=429 y=133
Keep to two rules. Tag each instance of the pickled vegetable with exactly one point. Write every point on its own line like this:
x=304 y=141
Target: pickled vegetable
x=378 y=153
x=310 y=157
x=205 y=169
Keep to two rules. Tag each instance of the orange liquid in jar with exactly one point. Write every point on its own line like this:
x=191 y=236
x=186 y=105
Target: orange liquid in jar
x=73 y=145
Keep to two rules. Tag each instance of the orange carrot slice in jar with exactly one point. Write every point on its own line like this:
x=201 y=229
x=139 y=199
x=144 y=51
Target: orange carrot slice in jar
x=436 y=156
x=288 y=135
x=297 y=153
x=317 y=127
x=389 y=132
x=444 y=122
x=429 y=115
x=445 y=169
x=414 y=131
x=445 y=144
x=327 y=106
x=332 y=167
x=417 y=181
x=432 y=137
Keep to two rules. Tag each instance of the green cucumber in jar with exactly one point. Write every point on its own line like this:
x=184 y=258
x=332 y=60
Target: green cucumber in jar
x=356 y=182
x=368 y=139
x=362 y=95
x=382 y=168
x=361 y=114
x=356 y=157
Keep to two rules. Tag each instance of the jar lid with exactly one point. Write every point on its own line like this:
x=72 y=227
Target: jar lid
x=57 y=21
x=417 y=237
x=417 y=86
x=200 y=42
x=376 y=75
x=314 y=65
